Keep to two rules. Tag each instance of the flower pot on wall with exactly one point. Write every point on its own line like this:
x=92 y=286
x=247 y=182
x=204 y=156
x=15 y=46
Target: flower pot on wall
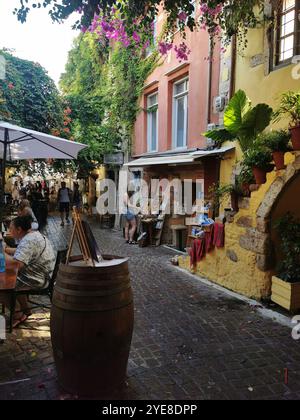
x=279 y=160
x=260 y=175
x=295 y=132
x=286 y=295
x=246 y=189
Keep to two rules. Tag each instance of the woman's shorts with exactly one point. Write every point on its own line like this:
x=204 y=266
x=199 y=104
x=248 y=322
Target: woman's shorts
x=130 y=216
x=22 y=284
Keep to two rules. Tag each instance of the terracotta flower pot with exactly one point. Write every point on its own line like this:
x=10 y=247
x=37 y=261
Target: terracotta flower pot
x=260 y=175
x=246 y=189
x=279 y=160
x=295 y=132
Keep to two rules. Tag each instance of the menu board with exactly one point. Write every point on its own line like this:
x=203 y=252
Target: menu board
x=91 y=242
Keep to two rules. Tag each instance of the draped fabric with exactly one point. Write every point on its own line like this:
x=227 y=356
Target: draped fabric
x=215 y=238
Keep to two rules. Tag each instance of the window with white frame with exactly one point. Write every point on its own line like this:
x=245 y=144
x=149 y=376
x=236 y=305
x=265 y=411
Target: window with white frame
x=180 y=113
x=194 y=4
x=152 y=122
x=287 y=31
x=153 y=40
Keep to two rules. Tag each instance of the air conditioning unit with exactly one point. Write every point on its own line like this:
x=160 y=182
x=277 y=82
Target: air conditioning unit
x=220 y=102
x=210 y=143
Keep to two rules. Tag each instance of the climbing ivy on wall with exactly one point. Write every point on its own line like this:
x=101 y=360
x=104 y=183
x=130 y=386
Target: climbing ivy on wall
x=103 y=86
x=123 y=81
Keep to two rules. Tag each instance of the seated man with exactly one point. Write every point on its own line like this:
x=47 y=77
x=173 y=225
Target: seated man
x=35 y=258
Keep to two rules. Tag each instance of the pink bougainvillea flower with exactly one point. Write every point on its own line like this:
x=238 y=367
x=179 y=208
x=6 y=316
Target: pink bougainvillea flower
x=126 y=42
x=182 y=52
x=164 y=47
x=68 y=111
x=146 y=45
x=218 y=9
x=136 y=37
x=204 y=8
x=10 y=85
x=182 y=16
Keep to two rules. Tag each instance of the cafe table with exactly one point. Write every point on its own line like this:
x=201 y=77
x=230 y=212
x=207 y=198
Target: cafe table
x=8 y=282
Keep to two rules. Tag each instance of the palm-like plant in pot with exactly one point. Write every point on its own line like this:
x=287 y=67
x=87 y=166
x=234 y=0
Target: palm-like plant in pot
x=258 y=159
x=290 y=106
x=278 y=143
x=242 y=122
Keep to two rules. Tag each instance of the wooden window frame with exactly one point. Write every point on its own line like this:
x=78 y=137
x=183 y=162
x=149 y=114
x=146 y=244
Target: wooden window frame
x=277 y=38
x=175 y=97
x=149 y=126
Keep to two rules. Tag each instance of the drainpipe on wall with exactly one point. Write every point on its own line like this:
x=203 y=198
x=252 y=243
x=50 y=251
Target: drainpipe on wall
x=210 y=68
x=233 y=66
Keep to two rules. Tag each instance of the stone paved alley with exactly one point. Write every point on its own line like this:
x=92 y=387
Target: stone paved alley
x=190 y=342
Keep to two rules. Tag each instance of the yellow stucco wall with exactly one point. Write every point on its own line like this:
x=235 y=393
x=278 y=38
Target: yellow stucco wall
x=242 y=276
x=261 y=87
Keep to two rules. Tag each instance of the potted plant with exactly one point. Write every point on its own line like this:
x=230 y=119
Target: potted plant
x=244 y=180
x=242 y=122
x=286 y=285
x=258 y=159
x=290 y=106
x=278 y=143
x=219 y=193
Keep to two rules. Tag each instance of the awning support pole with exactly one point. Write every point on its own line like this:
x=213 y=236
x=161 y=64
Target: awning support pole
x=5 y=145
x=2 y=200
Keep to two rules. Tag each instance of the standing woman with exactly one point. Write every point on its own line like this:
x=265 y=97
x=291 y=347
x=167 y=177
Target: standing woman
x=130 y=218
x=77 y=199
x=52 y=199
x=15 y=194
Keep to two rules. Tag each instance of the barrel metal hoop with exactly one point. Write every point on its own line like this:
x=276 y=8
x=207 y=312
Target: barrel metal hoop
x=94 y=308
x=84 y=293
x=115 y=279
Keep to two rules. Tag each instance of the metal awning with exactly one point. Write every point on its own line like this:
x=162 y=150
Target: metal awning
x=178 y=159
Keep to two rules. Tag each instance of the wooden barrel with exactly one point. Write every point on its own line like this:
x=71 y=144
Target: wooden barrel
x=92 y=320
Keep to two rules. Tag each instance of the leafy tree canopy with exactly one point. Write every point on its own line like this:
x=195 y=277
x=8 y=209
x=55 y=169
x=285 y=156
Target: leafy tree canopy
x=81 y=84
x=29 y=96
x=83 y=69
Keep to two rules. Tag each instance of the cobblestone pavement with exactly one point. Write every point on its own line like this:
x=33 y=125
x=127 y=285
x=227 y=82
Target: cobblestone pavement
x=190 y=342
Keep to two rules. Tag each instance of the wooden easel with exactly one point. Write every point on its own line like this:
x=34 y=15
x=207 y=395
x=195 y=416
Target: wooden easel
x=79 y=233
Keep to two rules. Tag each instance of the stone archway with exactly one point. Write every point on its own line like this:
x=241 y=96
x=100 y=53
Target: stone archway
x=259 y=239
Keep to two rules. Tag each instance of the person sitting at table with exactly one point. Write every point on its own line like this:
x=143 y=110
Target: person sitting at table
x=24 y=209
x=35 y=260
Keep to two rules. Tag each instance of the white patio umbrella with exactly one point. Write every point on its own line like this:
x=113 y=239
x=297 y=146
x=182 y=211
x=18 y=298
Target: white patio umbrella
x=17 y=143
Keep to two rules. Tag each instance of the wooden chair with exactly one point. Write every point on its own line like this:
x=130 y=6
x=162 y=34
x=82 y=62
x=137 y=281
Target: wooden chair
x=46 y=291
